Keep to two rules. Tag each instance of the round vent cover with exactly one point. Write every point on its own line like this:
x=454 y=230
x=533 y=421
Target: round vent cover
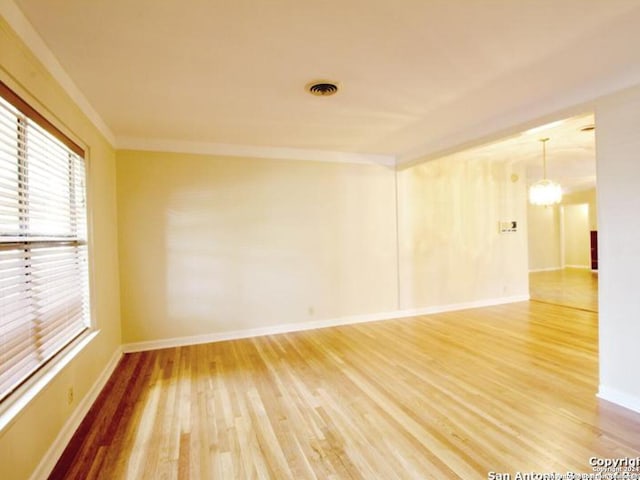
x=322 y=88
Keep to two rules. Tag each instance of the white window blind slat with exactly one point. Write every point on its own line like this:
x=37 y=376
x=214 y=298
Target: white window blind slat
x=30 y=355
x=15 y=314
x=39 y=321
x=44 y=301
x=15 y=299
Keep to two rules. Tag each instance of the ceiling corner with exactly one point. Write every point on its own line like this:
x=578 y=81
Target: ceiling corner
x=27 y=33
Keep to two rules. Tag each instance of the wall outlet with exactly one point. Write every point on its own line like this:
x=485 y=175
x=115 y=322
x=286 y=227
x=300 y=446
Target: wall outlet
x=70 y=396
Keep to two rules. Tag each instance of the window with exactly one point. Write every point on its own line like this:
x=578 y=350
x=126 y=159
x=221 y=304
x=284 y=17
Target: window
x=44 y=297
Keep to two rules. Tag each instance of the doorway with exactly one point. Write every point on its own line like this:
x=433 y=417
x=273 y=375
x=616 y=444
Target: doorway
x=560 y=246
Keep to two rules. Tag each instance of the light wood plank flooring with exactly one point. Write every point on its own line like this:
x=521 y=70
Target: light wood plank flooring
x=454 y=395
x=571 y=287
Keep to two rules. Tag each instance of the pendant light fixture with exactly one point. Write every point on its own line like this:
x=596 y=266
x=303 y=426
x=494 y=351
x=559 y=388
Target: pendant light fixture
x=545 y=192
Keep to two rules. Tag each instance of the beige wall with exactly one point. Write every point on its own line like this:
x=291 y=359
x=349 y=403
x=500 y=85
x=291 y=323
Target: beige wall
x=546 y=225
x=450 y=248
x=544 y=237
x=618 y=168
x=577 y=249
x=588 y=197
x=580 y=217
x=212 y=244
x=24 y=442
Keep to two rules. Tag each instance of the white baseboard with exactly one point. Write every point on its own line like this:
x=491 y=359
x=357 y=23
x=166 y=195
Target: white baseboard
x=252 y=332
x=619 y=398
x=556 y=269
x=52 y=456
x=461 y=306
x=297 y=327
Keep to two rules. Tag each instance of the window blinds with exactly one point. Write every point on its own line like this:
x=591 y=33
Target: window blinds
x=44 y=298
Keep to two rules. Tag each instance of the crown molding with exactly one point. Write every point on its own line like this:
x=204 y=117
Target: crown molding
x=278 y=153
x=25 y=31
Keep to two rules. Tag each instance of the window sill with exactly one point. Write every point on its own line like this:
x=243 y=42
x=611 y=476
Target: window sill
x=15 y=404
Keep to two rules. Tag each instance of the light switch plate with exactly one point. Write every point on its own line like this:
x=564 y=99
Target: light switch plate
x=508 y=227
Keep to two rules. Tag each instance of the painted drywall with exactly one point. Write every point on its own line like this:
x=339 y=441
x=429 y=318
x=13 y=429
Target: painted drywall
x=577 y=249
x=25 y=441
x=618 y=170
x=589 y=197
x=544 y=237
x=451 y=250
x=212 y=244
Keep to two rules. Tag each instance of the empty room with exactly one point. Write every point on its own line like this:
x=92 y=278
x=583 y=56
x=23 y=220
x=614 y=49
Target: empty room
x=319 y=240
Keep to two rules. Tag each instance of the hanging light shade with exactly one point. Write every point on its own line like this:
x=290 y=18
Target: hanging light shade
x=545 y=192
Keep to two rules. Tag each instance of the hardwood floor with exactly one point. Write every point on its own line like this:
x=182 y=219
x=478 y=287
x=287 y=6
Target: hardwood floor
x=571 y=287
x=454 y=395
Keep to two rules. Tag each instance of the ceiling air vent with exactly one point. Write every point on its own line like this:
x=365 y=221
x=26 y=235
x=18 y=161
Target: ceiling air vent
x=322 y=88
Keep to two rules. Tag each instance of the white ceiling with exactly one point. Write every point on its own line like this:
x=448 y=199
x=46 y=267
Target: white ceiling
x=418 y=77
